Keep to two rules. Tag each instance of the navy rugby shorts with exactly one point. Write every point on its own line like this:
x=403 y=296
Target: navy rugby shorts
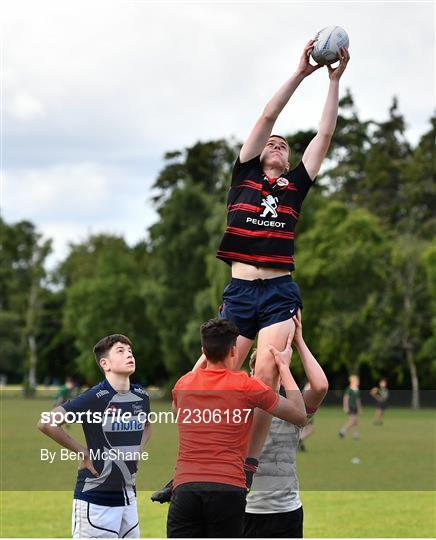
x=253 y=305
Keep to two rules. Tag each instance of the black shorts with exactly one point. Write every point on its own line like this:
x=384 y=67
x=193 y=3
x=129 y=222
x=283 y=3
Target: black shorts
x=253 y=305
x=206 y=510
x=352 y=411
x=283 y=525
x=382 y=405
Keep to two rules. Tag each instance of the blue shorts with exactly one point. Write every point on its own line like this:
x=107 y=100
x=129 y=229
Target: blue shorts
x=253 y=305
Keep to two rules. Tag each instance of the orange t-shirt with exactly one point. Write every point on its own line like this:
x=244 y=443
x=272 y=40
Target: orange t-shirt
x=214 y=417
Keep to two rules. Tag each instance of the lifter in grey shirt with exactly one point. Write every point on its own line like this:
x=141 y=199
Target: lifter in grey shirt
x=274 y=509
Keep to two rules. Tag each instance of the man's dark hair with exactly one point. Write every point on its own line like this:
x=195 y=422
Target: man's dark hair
x=105 y=344
x=218 y=336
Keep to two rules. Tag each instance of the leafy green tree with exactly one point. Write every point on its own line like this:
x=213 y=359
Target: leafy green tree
x=177 y=267
x=22 y=274
x=56 y=348
x=406 y=316
x=190 y=189
x=418 y=188
x=428 y=345
x=105 y=294
x=341 y=271
x=348 y=152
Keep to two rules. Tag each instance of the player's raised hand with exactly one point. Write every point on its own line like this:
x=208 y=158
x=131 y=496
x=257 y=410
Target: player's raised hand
x=298 y=335
x=305 y=68
x=336 y=73
x=86 y=463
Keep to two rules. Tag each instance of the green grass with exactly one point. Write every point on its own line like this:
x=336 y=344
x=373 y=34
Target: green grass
x=330 y=514
x=391 y=493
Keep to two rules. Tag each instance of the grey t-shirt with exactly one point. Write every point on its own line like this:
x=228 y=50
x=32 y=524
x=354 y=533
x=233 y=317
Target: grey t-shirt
x=275 y=484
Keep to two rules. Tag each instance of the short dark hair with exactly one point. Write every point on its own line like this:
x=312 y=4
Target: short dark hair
x=218 y=336
x=105 y=344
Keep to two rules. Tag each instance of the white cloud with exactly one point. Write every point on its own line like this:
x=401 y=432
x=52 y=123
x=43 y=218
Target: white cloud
x=68 y=203
x=26 y=107
x=57 y=190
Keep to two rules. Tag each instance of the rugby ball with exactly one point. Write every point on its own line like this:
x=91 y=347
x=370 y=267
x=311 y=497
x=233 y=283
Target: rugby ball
x=328 y=41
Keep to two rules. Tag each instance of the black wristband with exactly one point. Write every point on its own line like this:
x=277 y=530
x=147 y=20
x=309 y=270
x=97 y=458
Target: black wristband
x=250 y=468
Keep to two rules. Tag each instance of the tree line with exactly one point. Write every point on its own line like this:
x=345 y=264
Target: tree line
x=365 y=263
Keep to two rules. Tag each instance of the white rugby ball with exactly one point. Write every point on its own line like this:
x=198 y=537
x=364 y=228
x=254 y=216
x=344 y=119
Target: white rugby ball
x=328 y=41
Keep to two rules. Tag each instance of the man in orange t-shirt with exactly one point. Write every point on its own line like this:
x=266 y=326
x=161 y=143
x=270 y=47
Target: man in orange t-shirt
x=214 y=410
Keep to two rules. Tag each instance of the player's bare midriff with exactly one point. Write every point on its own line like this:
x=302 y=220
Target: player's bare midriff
x=249 y=272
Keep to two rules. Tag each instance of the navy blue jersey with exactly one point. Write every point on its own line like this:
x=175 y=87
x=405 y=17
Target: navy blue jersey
x=114 y=437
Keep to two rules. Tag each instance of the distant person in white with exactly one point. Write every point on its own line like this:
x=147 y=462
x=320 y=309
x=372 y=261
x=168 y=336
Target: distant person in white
x=274 y=509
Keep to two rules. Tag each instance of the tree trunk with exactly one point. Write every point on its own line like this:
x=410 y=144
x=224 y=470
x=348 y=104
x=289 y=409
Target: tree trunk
x=33 y=360
x=31 y=317
x=413 y=378
x=409 y=305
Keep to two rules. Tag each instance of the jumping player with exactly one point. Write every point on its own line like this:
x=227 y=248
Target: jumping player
x=264 y=204
x=274 y=508
x=104 y=504
x=214 y=407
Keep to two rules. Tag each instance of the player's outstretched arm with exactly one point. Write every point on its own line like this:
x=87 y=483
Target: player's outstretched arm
x=262 y=130
x=319 y=145
x=292 y=409
x=52 y=427
x=319 y=385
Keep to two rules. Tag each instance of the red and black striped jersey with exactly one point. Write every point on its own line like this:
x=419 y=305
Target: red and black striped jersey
x=262 y=214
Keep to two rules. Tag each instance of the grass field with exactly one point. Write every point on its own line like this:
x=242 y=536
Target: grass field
x=390 y=493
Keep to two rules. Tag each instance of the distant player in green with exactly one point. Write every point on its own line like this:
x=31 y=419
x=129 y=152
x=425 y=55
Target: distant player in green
x=381 y=395
x=352 y=407
x=65 y=392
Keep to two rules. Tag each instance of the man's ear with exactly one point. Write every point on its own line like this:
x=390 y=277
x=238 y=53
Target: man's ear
x=104 y=364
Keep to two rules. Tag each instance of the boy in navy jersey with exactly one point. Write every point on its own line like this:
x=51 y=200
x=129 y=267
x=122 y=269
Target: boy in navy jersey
x=114 y=415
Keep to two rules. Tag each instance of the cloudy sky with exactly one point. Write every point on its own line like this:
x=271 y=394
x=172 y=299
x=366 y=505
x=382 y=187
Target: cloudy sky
x=94 y=93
